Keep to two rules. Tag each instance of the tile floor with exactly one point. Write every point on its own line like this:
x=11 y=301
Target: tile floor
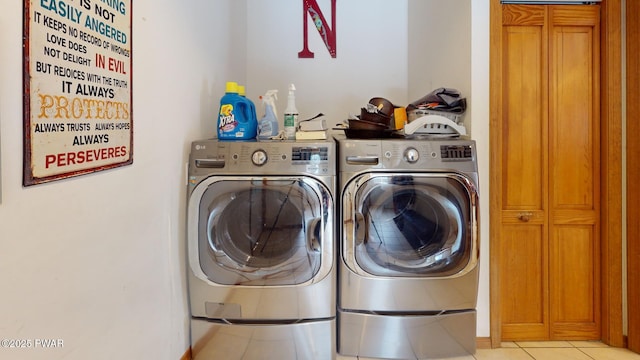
x=555 y=350
x=547 y=350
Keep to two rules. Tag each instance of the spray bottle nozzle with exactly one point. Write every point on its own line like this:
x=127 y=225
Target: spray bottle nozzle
x=270 y=95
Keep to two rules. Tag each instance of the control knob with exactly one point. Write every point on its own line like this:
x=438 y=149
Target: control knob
x=411 y=155
x=259 y=157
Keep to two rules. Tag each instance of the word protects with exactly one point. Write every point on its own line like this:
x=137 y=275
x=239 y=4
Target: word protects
x=62 y=107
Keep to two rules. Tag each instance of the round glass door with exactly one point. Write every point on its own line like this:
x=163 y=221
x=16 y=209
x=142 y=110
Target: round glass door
x=262 y=232
x=412 y=225
x=258 y=228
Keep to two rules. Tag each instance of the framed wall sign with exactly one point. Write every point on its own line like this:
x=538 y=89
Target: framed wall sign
x=78 y=116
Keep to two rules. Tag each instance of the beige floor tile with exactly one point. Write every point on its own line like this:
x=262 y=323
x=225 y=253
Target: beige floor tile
x=588 y=344
x=557 y=354
x=502 y=354
x=544 y=344
x=509 y=344
x=610 y=353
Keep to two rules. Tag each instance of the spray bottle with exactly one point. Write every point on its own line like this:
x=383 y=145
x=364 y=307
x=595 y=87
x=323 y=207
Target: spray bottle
x=291 y=115
x=268 y=125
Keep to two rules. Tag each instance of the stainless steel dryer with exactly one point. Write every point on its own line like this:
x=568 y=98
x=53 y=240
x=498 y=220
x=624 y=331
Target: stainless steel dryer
x=409 y=251
x=261 y=253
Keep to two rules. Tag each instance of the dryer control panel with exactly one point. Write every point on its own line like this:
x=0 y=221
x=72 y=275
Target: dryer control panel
x=407 y=154
x=456 y=152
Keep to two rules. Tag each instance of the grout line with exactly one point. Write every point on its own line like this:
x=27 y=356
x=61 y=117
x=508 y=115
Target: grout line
x=555 y=347
x=589 y=356
x=528 y=353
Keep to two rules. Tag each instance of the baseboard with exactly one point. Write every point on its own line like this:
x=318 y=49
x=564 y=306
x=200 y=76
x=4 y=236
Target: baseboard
x=483 y=343
x=187 y=354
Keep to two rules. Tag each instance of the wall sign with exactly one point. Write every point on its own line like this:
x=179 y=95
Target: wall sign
x=77 y=88
x=328 y=34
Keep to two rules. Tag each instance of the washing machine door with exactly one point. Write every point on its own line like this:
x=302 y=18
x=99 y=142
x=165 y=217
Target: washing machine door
x=262 y=231
x=410 y=225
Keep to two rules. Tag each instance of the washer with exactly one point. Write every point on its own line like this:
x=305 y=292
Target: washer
x=409 y=248
x=261 y=250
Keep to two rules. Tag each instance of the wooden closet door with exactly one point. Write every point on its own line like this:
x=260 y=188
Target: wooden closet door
x=524 y=258
x=549 y=144
x=574 y=163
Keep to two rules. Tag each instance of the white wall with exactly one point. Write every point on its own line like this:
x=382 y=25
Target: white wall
x=371 y=56
x=440 y=48
x=98 y=260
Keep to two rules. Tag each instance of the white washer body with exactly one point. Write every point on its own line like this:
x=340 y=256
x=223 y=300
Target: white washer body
x=261 y=253
x=409 y=248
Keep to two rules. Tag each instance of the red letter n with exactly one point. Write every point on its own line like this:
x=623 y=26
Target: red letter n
x=328 y=34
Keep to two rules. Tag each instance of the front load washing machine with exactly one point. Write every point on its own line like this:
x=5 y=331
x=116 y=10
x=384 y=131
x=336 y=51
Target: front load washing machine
x=261 y=253
x=409 y=252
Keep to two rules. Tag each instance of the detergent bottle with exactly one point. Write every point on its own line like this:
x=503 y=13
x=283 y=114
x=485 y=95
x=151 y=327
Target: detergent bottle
x=268 y=125
x=252 y=106
x=235 y=121
x=291 y=115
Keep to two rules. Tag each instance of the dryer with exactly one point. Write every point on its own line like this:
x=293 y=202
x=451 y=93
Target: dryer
x=409 y=248
x=261 y=253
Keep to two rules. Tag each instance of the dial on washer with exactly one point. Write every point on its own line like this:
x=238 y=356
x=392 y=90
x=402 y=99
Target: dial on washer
x=259 y=157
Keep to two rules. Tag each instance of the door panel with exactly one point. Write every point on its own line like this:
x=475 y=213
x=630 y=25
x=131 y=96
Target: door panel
x=524 y=265
x=573 y=279
x=575 y=313
x=574 y=155
x=574 y=169
x=522 y=132
x=524 y=282
x=550 y=169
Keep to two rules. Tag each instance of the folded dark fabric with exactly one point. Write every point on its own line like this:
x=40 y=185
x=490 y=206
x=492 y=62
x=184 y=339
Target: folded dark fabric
x=441 y=99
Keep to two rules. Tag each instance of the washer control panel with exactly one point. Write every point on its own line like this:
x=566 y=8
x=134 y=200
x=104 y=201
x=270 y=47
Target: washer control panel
x=302 y=154
x=263 y=157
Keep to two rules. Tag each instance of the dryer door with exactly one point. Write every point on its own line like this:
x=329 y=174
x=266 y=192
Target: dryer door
x=410 y=225
x=263 y=231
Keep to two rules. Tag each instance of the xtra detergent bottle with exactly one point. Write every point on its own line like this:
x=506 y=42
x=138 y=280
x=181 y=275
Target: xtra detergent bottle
x=242 y=93
x=235 y=121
